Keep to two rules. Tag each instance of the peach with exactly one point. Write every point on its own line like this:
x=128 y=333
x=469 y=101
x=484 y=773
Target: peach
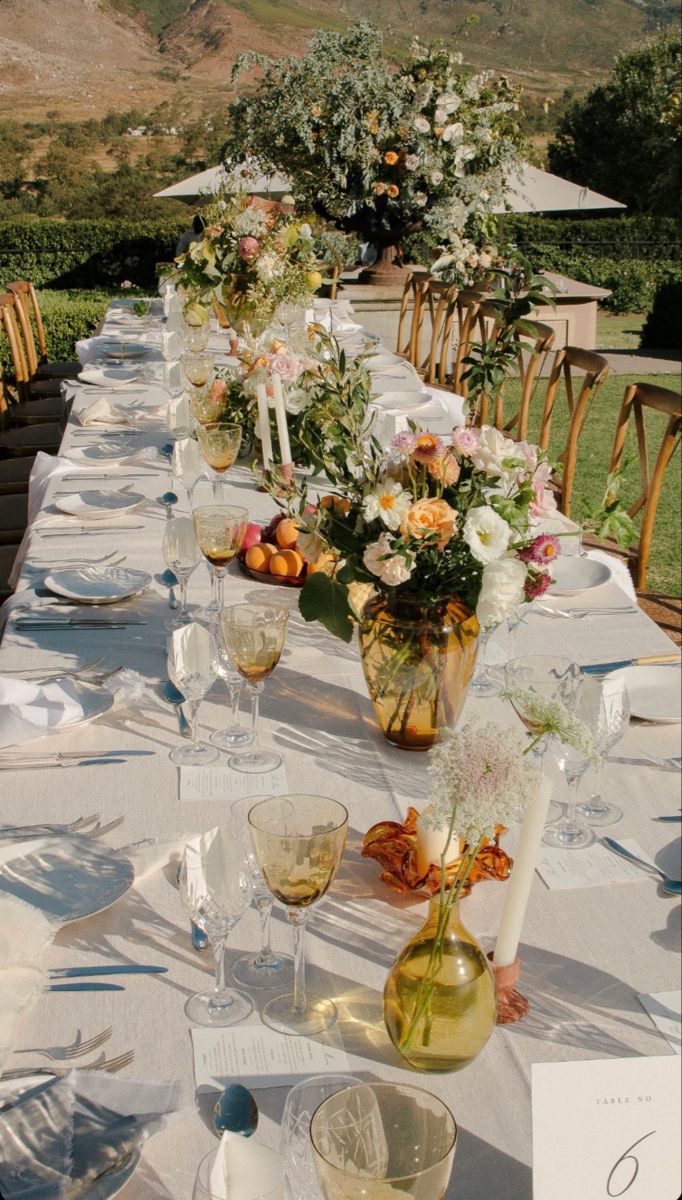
x=258 y=557
x=286 y=534
x=286 y=563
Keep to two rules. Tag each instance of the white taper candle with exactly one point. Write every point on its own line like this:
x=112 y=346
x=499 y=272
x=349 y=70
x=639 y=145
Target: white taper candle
x=281 y=415
x=518 y=888
x=264 y=425
x=432 y=842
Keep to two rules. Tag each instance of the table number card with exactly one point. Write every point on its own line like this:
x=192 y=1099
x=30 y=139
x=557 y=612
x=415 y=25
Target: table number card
x=259 y=1058
x=606 y=1129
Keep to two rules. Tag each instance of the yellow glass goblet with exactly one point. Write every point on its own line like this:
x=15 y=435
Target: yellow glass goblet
x=219 y=444
x=220 y=531
x=254 y=639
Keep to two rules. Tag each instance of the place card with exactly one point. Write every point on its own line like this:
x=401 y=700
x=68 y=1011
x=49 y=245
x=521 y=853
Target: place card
x=564 y=869
x=259 y=1057
x=607 y=1128
x=665 y=1010
x=220 y=783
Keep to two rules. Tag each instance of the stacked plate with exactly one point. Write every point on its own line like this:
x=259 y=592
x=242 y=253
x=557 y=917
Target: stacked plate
x=97 y=585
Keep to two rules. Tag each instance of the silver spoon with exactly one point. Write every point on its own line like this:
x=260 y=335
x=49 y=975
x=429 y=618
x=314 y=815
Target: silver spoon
x=672 y=886
x=170 y=580
x=172 y=696
x=235 y=1111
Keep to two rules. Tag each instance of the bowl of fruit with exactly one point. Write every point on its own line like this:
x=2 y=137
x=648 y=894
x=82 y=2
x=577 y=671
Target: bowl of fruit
x=269 y=554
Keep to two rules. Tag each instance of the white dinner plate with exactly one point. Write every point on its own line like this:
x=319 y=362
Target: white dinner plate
x=103 y=452
x=126 y=351
x=109 y=377
x=108 y=1185
x=412 y=399
x=94 y=701
x=98 y=585
x=655 y=692
x=573 y=574
x=68 y=878
x=383 y=384
x=94 y=505
x=380 y=360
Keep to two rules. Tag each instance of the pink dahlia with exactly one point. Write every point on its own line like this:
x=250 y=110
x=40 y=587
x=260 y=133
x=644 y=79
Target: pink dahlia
x=248 y=248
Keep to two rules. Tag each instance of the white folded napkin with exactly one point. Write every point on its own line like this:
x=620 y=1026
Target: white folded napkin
x=109 y=377
x=188 y=463
x=245 y=1170
x=101 y=412
x=33 y=710
x=45 y=468
x=25 y=934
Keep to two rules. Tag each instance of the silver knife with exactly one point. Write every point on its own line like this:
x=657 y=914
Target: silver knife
x=85 y=987
x=645 y=660
x=81 y=622
x=122 y=969
x=51 y=763
x=66 y=754
x=83 y=529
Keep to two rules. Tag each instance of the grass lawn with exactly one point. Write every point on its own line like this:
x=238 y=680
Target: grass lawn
x=593 y=462
x=619 y=331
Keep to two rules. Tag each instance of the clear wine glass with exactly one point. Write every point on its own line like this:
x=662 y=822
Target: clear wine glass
x=485 y=680
x=215 y=889
x=382 y=1139
x=265 y=970
x=236 y=734
x=188 y=465
x=195 y=336
x=540 y=676
x=612 y=723
x=254 y=639
x=570 y=832
x=303 y=1100
x=182 y=554
x=199 y=368
x=219 y=444
x=299 y=842
x=220 y=530
x=190 y=668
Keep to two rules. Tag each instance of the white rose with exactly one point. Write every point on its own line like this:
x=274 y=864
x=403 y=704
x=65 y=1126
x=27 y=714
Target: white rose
x=420 y=199
x=486 y=534
x=412 y=161
x=456 y=130
x=392 y=570
x=493 y=447
x=421 y=124
x=436 y=178
x=441 y=115
x=501 y=591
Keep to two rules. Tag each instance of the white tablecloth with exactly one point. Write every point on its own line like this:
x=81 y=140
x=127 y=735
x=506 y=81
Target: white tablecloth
x=586 y=953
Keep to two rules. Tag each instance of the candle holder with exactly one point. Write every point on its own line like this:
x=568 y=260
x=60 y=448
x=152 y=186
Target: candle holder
x=394 y=846
x=511 y=1005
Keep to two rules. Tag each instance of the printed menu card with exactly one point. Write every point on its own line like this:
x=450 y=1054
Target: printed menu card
x=257 y=1057
x=607 y=1128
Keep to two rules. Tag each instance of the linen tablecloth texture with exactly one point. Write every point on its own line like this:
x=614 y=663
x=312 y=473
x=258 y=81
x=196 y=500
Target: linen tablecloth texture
x=585 y=953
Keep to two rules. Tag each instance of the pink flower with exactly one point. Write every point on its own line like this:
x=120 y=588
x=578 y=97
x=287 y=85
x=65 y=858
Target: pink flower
x=536 y=585
x=248 y=247
x=287 y=366
x=542 y=550
x=528 y=454
x=428 y=448
x=404 y=443
x=126 y=284
x=465 y=441
x=217 y=391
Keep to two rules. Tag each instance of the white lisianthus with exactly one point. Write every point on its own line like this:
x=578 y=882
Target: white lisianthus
x=437 y=177
x=268 y=267
x=391 y=568
x=492 y=450
x=441 y=116
x=501 y=591
x=486 y=534
x=449 y=101
x=389 y=502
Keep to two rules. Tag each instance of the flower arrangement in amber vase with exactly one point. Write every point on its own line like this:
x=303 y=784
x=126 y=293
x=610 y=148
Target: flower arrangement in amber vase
x=439 y=998
x=434 y=538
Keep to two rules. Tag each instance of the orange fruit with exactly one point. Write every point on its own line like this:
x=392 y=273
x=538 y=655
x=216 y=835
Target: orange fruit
x=286 y=534
x=258 y=557
x=286 y=563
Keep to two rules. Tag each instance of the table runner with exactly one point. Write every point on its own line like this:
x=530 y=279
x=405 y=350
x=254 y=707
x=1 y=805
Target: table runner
x=586 y=954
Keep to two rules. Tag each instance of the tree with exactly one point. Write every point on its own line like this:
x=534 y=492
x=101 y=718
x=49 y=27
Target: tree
x=620 y=139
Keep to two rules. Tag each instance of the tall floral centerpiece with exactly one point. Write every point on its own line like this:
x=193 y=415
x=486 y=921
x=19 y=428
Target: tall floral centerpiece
x=382 y=149
x=433 y=539
x=255 y=254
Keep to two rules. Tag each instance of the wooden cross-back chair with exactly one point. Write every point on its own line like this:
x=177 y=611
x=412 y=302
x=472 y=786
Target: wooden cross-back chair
x=470 y=327
x=537 y=340
x=581 y=391
x=637 y=398
x=439 y=302
x=42 y=378
x=15 y=409
x=411 y=316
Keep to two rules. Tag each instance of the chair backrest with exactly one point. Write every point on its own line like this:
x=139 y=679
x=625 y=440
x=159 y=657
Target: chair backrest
x=27 y=297
x=537 y=340
x=439 y=300
x=410 y=322
x=637 y=398
x=8 y=322
x=470 y=326
x=594 y=368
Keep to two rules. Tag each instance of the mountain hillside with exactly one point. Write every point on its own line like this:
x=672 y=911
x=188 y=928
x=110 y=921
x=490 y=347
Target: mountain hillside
x=86 y=57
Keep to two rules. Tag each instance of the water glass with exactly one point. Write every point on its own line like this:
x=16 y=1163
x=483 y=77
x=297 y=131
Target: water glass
x=613 y=721
x=236 y=733
x=254 y=639
x=264 y=970
x=303 y=1101
x=190 y=668
x=182 y=555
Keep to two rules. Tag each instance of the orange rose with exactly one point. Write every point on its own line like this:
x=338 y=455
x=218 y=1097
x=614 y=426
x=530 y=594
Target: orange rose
x=439 y=130
x=427 y=517
x=391 y=158
x=393 y=191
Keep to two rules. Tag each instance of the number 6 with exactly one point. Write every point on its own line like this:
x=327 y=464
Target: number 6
x=624 y=1158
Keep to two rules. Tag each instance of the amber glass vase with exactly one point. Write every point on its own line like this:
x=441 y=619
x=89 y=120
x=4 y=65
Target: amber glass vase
x=439 y=998
x=418 y=662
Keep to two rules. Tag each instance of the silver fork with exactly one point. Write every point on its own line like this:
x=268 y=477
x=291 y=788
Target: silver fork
x=100 y=830
x=75 y=1050
x=579 y=614
x=110 y=1065
x=55 y=674
x=72 y=827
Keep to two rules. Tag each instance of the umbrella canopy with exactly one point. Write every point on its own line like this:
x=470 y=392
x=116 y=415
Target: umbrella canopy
x=529 y=189
x=533 y=190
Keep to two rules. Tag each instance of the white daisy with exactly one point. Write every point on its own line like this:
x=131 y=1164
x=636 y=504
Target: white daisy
x=389 y=502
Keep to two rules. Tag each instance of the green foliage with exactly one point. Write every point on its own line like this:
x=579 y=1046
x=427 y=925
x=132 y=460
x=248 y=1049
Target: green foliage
x=620 y=139
x=637 y=236
x=610 y=518
x=323 y=599
x=662 y=329
x=86 y=254
x=632 y=284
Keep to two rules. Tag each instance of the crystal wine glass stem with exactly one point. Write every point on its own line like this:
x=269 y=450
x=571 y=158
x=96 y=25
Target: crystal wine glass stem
x=234 y=688
x=573 y=780
x=221 y=997
x=595 y=798
x=193 y=706
x=264 y=906
x=255 y=689
x=183 y=598
x=297 y=917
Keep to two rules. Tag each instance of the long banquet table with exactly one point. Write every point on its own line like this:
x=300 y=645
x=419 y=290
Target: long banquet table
x=586 y=953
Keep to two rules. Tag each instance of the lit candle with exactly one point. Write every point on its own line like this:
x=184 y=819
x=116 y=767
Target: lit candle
x=281 y=415
x=432 y=842
x=518 y=888
x=264 y=424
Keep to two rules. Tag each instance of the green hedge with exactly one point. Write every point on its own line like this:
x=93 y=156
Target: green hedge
x=662 y=328
x=86 y=254
x=632 y=283
x=624 y=237
x=68 y=316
